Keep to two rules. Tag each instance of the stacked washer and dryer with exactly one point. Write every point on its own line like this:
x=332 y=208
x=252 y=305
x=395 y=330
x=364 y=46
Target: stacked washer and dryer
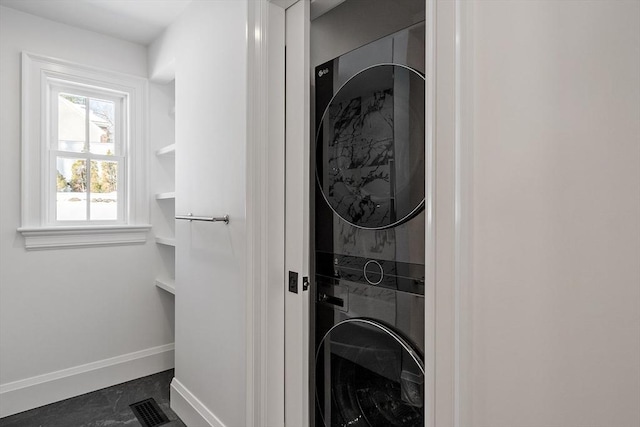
x=369 y=234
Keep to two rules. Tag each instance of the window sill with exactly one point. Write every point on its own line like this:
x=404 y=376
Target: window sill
x=83 y=236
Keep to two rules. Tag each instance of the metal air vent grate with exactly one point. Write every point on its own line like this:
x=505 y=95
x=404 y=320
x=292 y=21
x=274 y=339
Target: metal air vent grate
x=149 y=413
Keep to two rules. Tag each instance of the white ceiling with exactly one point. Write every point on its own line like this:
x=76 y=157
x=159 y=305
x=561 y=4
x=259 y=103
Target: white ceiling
x=318 y=7
x=139 y=21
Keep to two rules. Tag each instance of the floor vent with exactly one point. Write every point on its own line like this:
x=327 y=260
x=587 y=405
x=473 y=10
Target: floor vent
x=149 y=413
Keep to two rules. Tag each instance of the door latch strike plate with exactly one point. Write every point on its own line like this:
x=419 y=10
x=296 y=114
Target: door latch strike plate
x=293 y=282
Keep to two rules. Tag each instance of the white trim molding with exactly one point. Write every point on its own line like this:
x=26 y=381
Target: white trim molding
x=38 y=74
x=265 y=215
x=297 y=148
x=83 y=237
x=256 y=167
x=463 y=210
x=430 y=234
x=29 y=393
x=192 y=411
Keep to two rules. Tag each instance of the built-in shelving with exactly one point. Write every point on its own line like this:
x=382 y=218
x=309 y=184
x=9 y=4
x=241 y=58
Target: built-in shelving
x=166 y=196
x=167 y=284
x=167 y=150
x=167 y=241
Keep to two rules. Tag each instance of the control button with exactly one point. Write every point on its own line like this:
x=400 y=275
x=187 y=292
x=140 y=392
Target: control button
x=373 y=272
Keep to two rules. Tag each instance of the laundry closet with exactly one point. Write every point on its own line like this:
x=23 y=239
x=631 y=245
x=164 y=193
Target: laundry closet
x=368 y=215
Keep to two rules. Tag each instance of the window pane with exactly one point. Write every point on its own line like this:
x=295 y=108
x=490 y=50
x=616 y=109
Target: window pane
x=104 y=195
x=102 y=126
x=71 y=185
x=72 y=122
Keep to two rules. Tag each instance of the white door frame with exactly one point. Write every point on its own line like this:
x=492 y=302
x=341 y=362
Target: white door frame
x=449 y=148
x=449 y=54
x=265 y=214
x=450 y=109
x=298 y=132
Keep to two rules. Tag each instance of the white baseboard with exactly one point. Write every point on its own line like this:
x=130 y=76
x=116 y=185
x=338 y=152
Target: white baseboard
x=22 y=395
x=190 y=409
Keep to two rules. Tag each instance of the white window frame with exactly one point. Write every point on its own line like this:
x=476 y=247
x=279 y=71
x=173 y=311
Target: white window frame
x=42 y=77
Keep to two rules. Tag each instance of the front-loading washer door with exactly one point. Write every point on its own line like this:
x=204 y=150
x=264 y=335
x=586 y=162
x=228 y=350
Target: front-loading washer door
x=368 y=375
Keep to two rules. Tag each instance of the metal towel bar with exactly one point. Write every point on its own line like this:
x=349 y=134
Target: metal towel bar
x=192 y=217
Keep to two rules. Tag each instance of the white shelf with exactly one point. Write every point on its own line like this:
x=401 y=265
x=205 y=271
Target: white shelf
x=165 y=196
x=168 y=285
x=168 y=150
x=168 y=241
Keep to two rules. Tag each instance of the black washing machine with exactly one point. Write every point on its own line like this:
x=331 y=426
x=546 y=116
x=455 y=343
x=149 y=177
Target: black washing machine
x=369 y=235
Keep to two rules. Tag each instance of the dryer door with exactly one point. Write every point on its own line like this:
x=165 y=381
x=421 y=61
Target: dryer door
x=370 y=148
x=368 y=375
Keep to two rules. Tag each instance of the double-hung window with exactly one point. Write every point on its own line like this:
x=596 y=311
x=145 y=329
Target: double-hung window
x=83 y=155
x=87 y=149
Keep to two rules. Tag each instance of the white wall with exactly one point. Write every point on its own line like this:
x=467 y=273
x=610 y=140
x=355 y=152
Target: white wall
x=209 y=46
x=64 y=309
x=555 y=297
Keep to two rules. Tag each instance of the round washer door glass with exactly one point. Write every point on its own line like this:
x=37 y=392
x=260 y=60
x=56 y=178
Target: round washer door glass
x=370 y=147
x=368 y=376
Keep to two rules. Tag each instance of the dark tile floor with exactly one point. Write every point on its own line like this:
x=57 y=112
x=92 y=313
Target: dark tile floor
x=102 y=408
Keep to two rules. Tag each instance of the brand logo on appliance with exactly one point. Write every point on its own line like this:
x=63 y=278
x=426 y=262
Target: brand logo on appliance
x=323 y=72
